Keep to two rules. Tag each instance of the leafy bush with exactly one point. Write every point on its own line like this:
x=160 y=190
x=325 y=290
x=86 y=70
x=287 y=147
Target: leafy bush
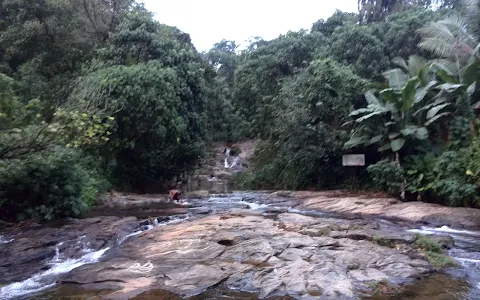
x=451 y=182
x=444 y=178
x=48 y=185
x=157 y=97
x=387 y=176
x=420 y=177
x=472 y=161
x=304 y=145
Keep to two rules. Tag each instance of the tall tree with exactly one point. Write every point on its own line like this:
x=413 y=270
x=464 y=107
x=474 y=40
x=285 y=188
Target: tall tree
x=258 y=76
x=224 y=59
x=378 y=10
x=153 y=82
x=338 y=19
x=45 y=43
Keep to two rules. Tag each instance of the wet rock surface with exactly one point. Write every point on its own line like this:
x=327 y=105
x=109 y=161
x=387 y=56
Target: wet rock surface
x=383 y=206
x=31 y=248
x=262 y=243
x=246 y=251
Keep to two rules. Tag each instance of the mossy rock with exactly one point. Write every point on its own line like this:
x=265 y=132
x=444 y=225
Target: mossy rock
x=434 y=251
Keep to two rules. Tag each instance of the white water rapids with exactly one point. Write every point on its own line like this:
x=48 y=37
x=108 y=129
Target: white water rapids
x=466 y=252
x=4 y=240
x=46 y=279
x=444 y=229
x=174 y=220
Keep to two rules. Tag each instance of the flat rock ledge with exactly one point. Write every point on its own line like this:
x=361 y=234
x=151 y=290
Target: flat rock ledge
x=292 y=255
x=381 y=205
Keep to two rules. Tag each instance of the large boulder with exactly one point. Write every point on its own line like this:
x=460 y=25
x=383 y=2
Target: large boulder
x=249 y=252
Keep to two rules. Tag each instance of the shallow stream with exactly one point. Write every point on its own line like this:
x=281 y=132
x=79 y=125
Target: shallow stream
x=459 y=283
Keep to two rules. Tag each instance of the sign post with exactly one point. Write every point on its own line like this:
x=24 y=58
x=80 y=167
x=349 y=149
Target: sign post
x=353 y=160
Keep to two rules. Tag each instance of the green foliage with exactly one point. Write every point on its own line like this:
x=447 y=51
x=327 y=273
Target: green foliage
x=50 y=185
x=420 y=175
x=374 y=11
x=80 y=129
x=151 y=138
x=359 y=47
x=138 y=109
x=401 y=108
x=93 y=83
x=400 y=32
x=258 y=78
x=444 y=177
x=338 y=19
x=45 y=43
x=472 y=162
x=224 y=59
x=426 y=243
x=451 y=182
x=304 y=145
x=153 y=83
x=386 y=176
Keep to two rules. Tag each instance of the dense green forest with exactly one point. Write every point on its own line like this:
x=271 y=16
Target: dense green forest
x=97 y=94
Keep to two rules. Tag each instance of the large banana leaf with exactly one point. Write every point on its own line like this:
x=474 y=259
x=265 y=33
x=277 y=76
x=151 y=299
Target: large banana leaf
x=422 y=92
x=434 y=110
x=436 y=118
x=451 y=87
x=470 y=73
x=397 y=144
x=408 y=94
x=397 y=79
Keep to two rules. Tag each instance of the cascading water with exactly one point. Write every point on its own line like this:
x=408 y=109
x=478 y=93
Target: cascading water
x=47 y=279
x=59 y=265
x=227 y=155
x=153 y=224
x=4 y=240
x=466 y=252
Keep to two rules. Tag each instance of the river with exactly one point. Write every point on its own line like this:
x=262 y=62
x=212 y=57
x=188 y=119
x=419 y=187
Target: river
x=456 y=283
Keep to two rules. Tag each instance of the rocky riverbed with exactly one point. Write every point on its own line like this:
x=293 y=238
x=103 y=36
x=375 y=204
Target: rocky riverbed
x=240 y=246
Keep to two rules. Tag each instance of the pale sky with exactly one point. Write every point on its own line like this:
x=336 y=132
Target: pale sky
x=210 y=21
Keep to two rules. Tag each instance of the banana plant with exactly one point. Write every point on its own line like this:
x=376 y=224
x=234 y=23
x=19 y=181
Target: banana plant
x=403 y=110
x=461 y=83
x=394 y=108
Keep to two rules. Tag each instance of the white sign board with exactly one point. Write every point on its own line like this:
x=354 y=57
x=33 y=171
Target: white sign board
x=350 y=160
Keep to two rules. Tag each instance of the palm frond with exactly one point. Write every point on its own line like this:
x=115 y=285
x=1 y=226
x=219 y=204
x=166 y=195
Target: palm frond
x=450 y=66
x=448 y=38
x=471 y=10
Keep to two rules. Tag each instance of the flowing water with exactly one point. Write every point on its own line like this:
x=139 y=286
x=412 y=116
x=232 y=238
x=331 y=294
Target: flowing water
x=467 y=254
x=46 y=279
x=461 y=283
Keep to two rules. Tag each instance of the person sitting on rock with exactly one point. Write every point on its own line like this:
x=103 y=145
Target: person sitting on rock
x=174 y=195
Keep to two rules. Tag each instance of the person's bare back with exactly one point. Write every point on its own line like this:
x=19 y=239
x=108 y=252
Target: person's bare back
x=174 y=195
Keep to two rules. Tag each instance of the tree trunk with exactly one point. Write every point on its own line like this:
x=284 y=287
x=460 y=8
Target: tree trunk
x=402 y=188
